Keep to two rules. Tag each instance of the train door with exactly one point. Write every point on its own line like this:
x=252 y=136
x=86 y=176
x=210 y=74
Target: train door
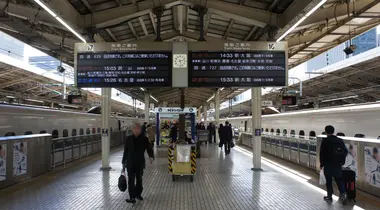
x=245 y=125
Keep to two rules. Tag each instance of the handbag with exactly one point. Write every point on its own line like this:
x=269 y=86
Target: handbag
x=220 y=144
x=232 y=144
x=122 y=182
x=322 y=178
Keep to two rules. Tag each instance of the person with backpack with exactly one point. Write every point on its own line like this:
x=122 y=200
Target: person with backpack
x=332 y=156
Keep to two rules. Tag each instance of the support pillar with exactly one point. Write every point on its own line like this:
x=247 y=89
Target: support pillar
x=146 y=109
x=158 y=11
x=202 y=11
x=182 y=117
x=256 y=128
x=205 y=114
x=106 y=135
x=217 y=110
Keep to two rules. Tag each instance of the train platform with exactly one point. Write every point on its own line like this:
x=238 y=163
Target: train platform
x=221 y=182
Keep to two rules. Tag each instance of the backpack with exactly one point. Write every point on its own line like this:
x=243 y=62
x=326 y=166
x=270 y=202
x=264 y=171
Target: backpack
x=339 y=153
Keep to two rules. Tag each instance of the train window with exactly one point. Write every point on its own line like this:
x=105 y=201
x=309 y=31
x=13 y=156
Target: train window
x=74 y=132
x=266 y=130
x=81 y=131
x=28 y=133
x=88 y=131
x=292 y=133
x=54 y=134
x=359 y=135
x=98 y=130
x=378 y=137
x=340 y=134
x=278 y=132
x=43 y=131
x=65 y=133
x=272 y=130
x=302 y=133
x=10 y=134
x=93 y=130
x=312 y=134
x=323 y=133
x=284 y=132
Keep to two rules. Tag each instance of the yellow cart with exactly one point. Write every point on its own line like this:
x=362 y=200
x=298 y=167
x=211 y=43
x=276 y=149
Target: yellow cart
x=182 y=160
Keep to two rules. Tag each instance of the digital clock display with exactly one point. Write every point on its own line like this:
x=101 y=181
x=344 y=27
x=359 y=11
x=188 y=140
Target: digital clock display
x=237 y=68
x=124 y=69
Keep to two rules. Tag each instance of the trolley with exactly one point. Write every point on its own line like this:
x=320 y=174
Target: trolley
x=182 y=160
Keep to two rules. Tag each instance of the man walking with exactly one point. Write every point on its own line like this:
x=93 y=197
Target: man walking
x=134 y=160
x=227 y=136
x=333 y=154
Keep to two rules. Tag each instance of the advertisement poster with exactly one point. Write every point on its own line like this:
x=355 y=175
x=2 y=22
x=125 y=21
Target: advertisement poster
x=19 y=158
x=3 y=161
x=351 y=159
x=372 y=166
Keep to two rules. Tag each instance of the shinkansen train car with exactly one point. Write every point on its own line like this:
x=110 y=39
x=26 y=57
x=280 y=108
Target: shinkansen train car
x=19 y=120
x=358 y=121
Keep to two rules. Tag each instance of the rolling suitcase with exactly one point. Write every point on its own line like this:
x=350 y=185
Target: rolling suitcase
x=349 y=179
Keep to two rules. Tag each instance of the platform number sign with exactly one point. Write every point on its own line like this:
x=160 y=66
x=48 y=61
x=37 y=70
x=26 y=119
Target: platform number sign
x=271 y=46
x=90 y=47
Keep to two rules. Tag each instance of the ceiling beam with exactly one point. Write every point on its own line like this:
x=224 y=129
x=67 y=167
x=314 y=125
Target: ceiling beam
x=228 y=29
x=294 y=13
x=87 y=5
x=133 y=30
x=111 y=35
x=151 y=16
x=124 y=13
x=143 y=26
x=248 y=37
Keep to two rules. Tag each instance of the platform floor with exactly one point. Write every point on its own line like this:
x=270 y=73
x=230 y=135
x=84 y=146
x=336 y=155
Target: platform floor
x=220 y=183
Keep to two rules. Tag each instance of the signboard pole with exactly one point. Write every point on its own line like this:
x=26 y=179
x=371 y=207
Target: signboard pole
x=106 y=134
x=205 y=114
x=217 y=109
x=256 y=128
x=146 y=111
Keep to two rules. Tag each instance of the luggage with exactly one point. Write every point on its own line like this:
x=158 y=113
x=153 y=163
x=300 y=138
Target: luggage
x=232 y=144
x=339 y=153
x=349 y=179
x=122 y=182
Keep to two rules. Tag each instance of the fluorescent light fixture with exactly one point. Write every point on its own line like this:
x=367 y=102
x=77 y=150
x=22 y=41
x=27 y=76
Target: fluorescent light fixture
x=11 y=97
x=154 y=98
x=337 y=99
x=32 y=100
x=301 y=20
x=142 y=89
x=210 y=98
x=47 y=9
x=221 y=88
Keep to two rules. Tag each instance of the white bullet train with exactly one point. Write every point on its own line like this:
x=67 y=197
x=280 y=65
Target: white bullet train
x=21 y=120
x=356 y=120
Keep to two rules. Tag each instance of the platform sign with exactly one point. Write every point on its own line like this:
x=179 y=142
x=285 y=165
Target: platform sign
x=245 y=64
x=123 y=65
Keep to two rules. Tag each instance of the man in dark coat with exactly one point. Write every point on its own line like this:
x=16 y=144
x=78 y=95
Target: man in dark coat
x=227 y=136
x=134 y=160
x=332 y=155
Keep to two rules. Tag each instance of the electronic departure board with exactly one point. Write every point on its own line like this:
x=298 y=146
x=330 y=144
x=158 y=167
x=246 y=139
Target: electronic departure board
x=248 y=68
x=124 y=69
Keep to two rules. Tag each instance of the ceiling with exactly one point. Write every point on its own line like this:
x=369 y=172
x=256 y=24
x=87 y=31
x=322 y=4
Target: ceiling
x=234 y=20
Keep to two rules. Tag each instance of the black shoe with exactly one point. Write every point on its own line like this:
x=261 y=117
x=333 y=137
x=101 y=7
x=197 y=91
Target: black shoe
x=140 y=197
x=327 y=198
x=132 y=200
x=343 y=198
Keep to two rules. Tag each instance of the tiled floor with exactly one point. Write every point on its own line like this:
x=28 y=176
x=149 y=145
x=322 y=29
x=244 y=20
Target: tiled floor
x=220 y=183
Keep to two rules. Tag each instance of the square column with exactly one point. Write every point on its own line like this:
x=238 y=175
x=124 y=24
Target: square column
x=205 y=114
x=256 y=128
x=106 y=134
x=217 y=110
x=146 y=109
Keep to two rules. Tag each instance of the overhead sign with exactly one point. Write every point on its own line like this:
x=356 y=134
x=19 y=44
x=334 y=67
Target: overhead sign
x=246 y=64
x=266 y=103
x=123 y=65
x=176 y=110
